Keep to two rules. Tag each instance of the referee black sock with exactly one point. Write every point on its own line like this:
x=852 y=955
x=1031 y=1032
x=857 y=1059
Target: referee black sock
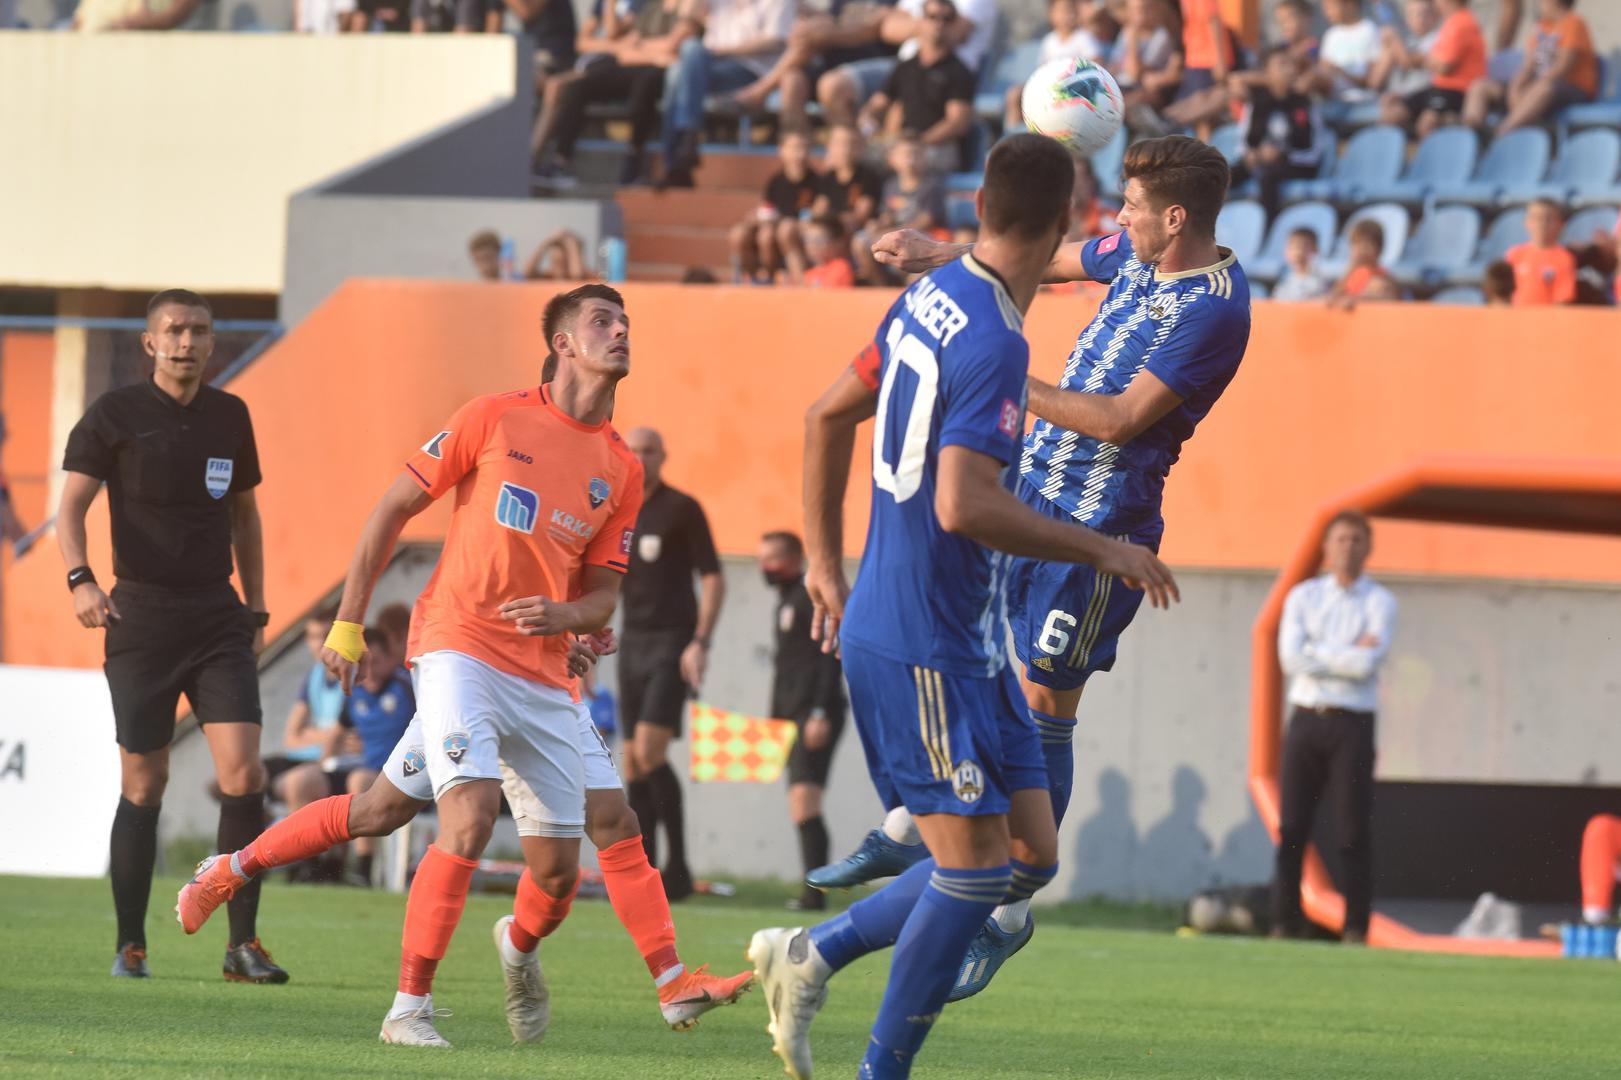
x=134 y=850
x=813 y=843
x=639 y=793
x=667 y=801
x=242 y=819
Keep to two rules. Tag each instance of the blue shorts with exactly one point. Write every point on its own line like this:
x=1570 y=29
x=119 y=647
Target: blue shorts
x=942 y=744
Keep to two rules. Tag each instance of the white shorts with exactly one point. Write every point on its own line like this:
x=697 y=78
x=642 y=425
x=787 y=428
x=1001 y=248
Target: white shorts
x=407 y=767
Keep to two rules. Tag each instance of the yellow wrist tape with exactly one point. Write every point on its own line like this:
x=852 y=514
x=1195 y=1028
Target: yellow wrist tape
x=348 y=640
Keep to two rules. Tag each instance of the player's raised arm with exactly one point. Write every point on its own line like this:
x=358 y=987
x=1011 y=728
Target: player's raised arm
x=914 y=252
x=971 y=500
x=830 y=436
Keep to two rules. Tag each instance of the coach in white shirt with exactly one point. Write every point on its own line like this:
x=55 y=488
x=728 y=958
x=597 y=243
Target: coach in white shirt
x=1335 y=634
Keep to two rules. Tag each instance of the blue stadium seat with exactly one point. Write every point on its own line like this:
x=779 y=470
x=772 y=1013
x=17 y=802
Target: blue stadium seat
x=1393 y=217
x=1373 y=157
x=1606 y=110
x=1445 y=242
x=1259 y=290
x=1107 y=162
x=960 y=214
x=1504 y=64
x=959 y=182
x=1588 y=163
x=1011 y=69
x=1580 y=228
x=1229 y=139
x=1516 y=161
x=1316 y=216
x=1446 y=157
x=1241 y=226
x=1505 y=232
x=1462 y=295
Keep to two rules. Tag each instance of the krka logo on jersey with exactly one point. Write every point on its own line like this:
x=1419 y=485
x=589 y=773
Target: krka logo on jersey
x=217 y=478
x=517 y=507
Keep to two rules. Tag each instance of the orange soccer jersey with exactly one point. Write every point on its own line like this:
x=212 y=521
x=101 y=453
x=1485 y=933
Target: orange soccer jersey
x=539 y=497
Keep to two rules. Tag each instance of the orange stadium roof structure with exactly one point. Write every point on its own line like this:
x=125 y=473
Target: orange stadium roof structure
x=1574 y=496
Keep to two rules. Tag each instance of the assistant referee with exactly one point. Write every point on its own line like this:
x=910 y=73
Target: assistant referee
x=180 y=466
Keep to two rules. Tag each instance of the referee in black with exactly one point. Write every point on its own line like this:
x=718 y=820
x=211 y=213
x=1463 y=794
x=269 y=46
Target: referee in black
x=665 y=649
x=807 y=687
x=180 y=466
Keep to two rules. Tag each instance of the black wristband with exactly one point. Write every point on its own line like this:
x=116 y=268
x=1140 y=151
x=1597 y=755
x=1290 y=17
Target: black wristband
x=80 y=575
x=261 y=619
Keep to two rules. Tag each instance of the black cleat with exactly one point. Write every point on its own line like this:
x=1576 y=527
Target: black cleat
x=130 y=962
x=251 y=963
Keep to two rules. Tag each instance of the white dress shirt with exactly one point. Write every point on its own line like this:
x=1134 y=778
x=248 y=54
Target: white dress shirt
x=1317 y=642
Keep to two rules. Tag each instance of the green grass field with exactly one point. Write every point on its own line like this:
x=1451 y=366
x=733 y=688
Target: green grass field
x=1080 y=1002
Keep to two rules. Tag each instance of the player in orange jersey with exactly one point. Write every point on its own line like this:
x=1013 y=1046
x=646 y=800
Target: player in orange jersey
x=546 y=497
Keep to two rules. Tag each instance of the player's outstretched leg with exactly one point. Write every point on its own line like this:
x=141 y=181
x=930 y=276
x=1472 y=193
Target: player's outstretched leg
x=1008 y=930
x=884 y=852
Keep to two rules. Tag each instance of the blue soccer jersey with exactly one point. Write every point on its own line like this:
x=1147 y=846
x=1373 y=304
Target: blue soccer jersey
x=1190 y=331
x=949 y=364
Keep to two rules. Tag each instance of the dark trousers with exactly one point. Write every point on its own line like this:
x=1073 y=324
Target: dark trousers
x=640 y=86
x=1328 y=755
x=1270 y=179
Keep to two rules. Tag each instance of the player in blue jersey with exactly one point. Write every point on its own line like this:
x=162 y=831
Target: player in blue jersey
x=1163 y=346
x=923 y=638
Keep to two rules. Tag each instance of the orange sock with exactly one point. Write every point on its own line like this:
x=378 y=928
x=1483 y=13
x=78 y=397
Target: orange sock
x=536 y=913
x=1601 y=847
x=438 y=895
x=637 y=894
x=307 y=831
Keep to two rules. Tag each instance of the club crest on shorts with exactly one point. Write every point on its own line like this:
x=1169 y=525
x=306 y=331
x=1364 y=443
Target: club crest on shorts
x=416 y=761
x=457 y=744
x=516 y=507
x=598 y=491
x=967 y=781
x=649 y=547
x=217 y=477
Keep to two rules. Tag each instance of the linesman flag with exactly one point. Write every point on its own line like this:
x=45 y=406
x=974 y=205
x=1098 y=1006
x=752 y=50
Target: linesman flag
x=729 y=746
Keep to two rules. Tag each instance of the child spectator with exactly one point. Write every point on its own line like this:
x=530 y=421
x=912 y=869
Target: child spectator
x=1498 y=284
x=1082 y=29
x=1349 y=48
x=1089 y=216
x=1456 y=61
x=1291 y=30
x=826 y=249
x=560 y=257
x=484 y=248
x=1544 y=270
x=769 y=239
x=914 y=198
x=1301 y=280
x=1365 y=278
x=380 y=708
x=1400 y=69
x=1560 y=68
x=1146 y=62
x=1282 y=130
x=850 y=188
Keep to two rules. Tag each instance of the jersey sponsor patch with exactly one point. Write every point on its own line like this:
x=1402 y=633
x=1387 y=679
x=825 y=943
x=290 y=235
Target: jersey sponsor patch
x=432 y=446
x=1109 y=243
x=1011 y=415
x=598 y=491
x=517 y=507
x=967 y=781
x=217 y=478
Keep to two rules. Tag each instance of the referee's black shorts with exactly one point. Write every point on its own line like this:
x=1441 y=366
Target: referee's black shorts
x=171 y=642
x=651 y=689
x=807 y=766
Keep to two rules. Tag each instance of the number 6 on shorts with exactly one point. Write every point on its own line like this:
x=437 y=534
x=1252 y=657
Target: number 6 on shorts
x=1054 y=639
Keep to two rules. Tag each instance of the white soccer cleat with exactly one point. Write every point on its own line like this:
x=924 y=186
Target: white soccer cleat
x=415 y=1029
x=529 y=1002
x=794 y=993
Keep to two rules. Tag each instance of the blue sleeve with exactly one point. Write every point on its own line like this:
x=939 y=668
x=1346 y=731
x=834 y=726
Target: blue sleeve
x=1204 y=347
x=1104 y=257
x=982 y=399
x=304 y=687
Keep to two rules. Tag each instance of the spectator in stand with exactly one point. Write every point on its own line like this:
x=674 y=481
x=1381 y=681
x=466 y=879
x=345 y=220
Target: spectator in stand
x=1089 y=216
x=453 y=16
x=98 y=16
x=742 y=40
x=1209 y=55
x=769 y=239
x=381 y=705
x=1404 y=52
x=322 y=16
x=1456 y=61
x=827 y=249
x=1498 y=284
x=849 y=189
x=914 y=198
x=1560 y=69
x=560 y=257
x=699 y=275
x=1365 y=278
x=384 y=16
x=1544 y=269
x=1283 y=130
x=394 y=620
x=1301 y=279
x=1509 y=13
x=1081 y=29
x=1347 y=53
x=485 y=250
x=1292 y=29
x=930 y=93
x=842 y=90
x=1146 y=62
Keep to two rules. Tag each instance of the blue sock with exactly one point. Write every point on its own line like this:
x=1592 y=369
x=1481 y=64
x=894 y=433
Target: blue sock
x=1057 y=738
x=873 y=922
x=927 y=956
x=1028 y=880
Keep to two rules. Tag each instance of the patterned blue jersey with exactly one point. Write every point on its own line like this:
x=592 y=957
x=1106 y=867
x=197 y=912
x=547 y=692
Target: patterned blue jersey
x=949 y=365
x=1190 y=330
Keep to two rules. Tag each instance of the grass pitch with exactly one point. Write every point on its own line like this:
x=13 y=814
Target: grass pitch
x=1079 y=1002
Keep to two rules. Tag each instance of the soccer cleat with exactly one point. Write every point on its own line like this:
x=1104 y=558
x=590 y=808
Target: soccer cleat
x=877 y=857
x=212 y=885
x=529 y=1001
x=250 y=962
x=988 y=951
x=130 y=962
x=793 y=995
x=415 y=1029
x=691 y=994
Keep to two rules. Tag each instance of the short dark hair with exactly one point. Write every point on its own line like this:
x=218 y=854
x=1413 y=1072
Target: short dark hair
x=395 y=619
x=830 y=222
x=1028 y=182
x=1349 y=516
x=484 y=238
x=699 y=275
x=1309 y=234
x=1499 y=279
x=183 y=297
x=787 y=539
x=1177 y=170
x=1370 y=230
x=562 y=308
x=1551 y=204
x=1301 y=7
x=376 y=637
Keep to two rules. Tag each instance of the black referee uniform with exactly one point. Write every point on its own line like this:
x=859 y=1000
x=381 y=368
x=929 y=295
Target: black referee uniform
x=170 y=469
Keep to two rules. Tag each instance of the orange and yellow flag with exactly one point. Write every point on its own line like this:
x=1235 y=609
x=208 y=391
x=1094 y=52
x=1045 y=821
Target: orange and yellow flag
x=729 y=746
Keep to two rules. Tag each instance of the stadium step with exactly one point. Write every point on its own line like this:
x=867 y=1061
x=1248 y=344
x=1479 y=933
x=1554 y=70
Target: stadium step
x=682 y=244
x=650 y=271
x=701 y=208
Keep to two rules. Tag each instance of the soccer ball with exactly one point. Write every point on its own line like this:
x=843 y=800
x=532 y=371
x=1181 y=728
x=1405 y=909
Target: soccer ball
x=1074 y=101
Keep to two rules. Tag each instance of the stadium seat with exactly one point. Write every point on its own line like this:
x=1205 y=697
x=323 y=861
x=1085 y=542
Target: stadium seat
x=1015 y=65
x=1318 y=217
x=1504 y=64
x=1446 y=157
x=1462 y=295
x=1373 y=157
x=1579 y=229
x=1516 y=161
x=1588 y=163
x=1444 y=242
x=1606 y=110
x=1229 y=139
x=1107 y=163
x=1394 y=219
x=1259 y=290
x=1241 y=226
x=960 y=214
x=1506 y=231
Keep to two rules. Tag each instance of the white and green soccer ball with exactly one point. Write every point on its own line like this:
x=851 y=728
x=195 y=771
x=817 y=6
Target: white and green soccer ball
x=1074 y=101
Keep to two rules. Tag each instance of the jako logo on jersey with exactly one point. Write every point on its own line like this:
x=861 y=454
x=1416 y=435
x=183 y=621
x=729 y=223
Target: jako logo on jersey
x=598 y=491
x=968 y=782
x=566 y=521
x=457 y=745
x=1161 y=306
x=415 y=761
x=519 y=455
x=517 y=508
x=1011 y=415
x=431 y=447
x=217 y=477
